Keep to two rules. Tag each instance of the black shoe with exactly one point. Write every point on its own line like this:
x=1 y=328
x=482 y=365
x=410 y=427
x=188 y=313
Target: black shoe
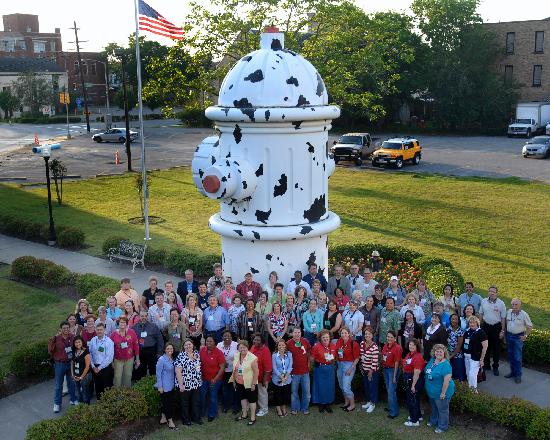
x=210 y=419
x=509 y=376
x=517 y=379
x=322 y=408
x=344 y=407
x=386 y=409
x=495 y=372
x=199 y=422
x=328 y=409
x=391 y=417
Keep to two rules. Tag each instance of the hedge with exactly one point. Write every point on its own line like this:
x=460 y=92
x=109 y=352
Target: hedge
x=35 y=270
x=89 y=282
x=514 y=413
x=31 y=360
x=536 y=349
x=439 y=275
x=68 y=237
x=116 y=407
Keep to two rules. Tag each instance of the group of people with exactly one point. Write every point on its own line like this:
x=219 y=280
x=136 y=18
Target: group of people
x=211 y=341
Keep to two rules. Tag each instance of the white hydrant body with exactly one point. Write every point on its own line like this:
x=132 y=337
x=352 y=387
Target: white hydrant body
x=270 y=165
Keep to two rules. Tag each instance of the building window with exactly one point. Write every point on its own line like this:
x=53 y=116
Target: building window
x=510 y=42
x=7 y=45
x=21 y=45
x=539 y=42
x=92 y=69
x=52 y=46
x=84 y=67
x=537 y=75
x=39 y=46
x=508 y=73
x=76 y=67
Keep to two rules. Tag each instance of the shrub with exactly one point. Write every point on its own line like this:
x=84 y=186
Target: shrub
x=155 y=257
x=536 y=349
x=179 y=260
x=56 y=275
x=111 y=242
x=88 y=282
x=539 y=428
x=364 y=250
x=426 y=263
x=193 y=117
x=99 y=297
x=145 y=388
x=71 y=238
x=408 y=274
x=31 y=360
x=32 y=231
x=439 y=275
x=24 y=268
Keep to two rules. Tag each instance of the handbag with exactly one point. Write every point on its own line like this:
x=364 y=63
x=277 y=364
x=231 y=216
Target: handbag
x=481 y=377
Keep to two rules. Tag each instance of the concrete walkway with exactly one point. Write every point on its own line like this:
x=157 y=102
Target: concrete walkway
x=22 y=409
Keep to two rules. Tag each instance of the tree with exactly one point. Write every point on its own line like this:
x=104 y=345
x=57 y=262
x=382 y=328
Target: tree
x=33 y=90
x=138 y=184
x=459 y=70
x=119 y=99
x=8 y=103
x=59 y=171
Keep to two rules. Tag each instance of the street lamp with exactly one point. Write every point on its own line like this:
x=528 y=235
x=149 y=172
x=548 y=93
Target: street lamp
x=45 y=152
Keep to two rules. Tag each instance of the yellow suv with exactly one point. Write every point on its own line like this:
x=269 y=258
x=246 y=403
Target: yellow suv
x=396 y=151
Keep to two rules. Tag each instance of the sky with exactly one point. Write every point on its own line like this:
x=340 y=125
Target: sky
x=105 y=21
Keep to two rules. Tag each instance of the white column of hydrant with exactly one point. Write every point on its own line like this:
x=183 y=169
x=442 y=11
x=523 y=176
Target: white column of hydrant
x=270 y=166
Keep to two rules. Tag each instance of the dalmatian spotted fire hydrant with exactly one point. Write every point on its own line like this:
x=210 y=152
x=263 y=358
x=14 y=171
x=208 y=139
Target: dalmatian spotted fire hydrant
x=270 y=165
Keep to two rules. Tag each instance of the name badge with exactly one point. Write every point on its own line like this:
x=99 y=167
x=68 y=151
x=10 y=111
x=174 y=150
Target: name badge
x=427 y=337
x=76 y=370
x=367 y=323
x=240 y=371
x=409 y=361
x=328 y=357
x=68 y=350
x=211 y=317
x=228 y=300
x=143 y=334
x=298 y=344
x=176 y=335
x=327 y=323
x=385 y=358
x=467 y=341
x=340 y=353
x=191 y=321
x=101 y=349
x=151 y=302
x=249 y=293
x=313 y=326
x=199 y=368
x=383 y=320
x=124 y=345
x=428 y=371
x=422 y=302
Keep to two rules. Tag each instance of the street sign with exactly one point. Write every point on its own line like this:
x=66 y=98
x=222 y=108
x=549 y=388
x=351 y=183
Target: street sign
x=78 y=102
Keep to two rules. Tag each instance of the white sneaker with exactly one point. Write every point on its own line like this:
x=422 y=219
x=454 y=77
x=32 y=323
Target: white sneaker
x=371 y=408
x=56 y=408
x=74 y=402
x=261 y=413
x=409 y=423
x=366 y=405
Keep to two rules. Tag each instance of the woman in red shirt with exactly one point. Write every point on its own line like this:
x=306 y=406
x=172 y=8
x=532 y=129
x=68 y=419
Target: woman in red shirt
x=391 y=358
x=341 y=299
x=347 y=351
x=88 y=332
x=324 y=357
x=413 y=364
x=126 y=353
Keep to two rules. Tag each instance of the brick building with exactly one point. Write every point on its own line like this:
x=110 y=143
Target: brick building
x=525 y=56
x=93 y=68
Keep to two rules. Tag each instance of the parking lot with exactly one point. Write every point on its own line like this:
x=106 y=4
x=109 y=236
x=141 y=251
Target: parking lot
x=168 y=145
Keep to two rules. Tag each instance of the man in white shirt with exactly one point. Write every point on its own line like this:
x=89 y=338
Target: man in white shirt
x=492 y=311
x=355 y=280
x=159 y=313
x=298 y=281
x=517 y=327
x=102 y=352
x=369 y=283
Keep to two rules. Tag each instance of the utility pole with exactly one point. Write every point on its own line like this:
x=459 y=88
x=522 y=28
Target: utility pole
x=82 y=78
x=122 y=56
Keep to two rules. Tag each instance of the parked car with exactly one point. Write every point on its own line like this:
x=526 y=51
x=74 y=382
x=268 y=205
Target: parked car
x=114 y=135
x=548 y=129
x=397 y=151
x=354 y=147
x=539 y=146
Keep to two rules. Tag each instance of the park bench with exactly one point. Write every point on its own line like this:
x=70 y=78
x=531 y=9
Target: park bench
x=126 y=250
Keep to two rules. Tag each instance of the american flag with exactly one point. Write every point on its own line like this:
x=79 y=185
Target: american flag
x=151 y=21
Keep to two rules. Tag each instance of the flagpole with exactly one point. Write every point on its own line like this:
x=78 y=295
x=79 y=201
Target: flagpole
x=143 y=168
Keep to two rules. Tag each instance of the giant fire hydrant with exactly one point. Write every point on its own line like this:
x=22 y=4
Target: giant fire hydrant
x=270 y=166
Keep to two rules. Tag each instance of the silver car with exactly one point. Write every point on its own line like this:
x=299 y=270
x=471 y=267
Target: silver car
x=114 y=135
x=539 y=146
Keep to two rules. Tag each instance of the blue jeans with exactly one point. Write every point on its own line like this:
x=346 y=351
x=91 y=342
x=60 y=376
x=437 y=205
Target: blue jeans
x=83 y=388
x=514 y=346
x=300 y=381
x=62 y=370
x=459 y=368
x=216 y=334
x=311 y=338
x=211 y=392
x=370 y=387
x=344 y=380
x=413 y=399
x=391 y=387
x=440 y=413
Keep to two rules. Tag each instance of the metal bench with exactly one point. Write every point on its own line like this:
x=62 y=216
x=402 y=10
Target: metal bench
x=126 y=250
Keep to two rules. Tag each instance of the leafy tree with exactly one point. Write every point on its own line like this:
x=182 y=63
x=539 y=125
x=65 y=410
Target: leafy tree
x=59 y=171
x=33 y=90
x=119 y=99
x=8 y=103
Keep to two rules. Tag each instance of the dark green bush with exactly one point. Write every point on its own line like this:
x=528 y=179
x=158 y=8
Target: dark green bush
x=70 y=238
x=25 y=269
x=155 y=257
x=539 y=428
x=179 y=260
x=425 y=263
x=145 y=388
x=439 y=275
x=111 y=242
x=32 y=231
x=88 y=282
x=31 y=360
x=536 y=349
x=99 y=297
x=56 y=275
x=193 y=117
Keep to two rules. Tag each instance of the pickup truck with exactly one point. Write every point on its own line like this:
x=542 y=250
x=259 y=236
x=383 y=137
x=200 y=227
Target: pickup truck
x=354 y=147
x=397 y=151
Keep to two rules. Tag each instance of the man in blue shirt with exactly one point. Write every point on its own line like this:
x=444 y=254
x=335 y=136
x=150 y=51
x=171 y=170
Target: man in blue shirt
x=188 y=285
x=314 y=275
x=102 y=351
x=216 y=319
x=469 y=297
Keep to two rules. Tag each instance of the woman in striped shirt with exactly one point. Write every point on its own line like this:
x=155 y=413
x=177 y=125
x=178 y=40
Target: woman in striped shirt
x=370 y=366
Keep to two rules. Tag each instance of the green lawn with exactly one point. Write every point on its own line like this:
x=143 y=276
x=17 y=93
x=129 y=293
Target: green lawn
x=493 y=231
x=28 y=314
x=337 y=426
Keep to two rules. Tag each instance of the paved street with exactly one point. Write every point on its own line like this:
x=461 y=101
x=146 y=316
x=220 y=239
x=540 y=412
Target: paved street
x=169 y=145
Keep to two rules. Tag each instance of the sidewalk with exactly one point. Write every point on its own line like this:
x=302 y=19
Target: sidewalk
x=22 y=409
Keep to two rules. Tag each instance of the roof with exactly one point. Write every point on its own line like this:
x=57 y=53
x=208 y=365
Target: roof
x=355 y=134
x=402 y=139
x=23 y=64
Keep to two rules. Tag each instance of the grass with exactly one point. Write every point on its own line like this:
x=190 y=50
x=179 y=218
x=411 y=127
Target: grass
x=495 y=231
x=28 y=314
x=337 y=426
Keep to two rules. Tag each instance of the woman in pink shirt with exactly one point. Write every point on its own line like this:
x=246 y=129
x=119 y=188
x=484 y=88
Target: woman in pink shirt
x=126 y=352
x=131 y=315
x=226 y=297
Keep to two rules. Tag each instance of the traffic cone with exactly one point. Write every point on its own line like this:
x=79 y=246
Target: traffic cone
x=117 y=158
x=36 y=141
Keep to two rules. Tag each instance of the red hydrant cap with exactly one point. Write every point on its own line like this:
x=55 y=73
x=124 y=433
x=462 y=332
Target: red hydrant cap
x=211 y=184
